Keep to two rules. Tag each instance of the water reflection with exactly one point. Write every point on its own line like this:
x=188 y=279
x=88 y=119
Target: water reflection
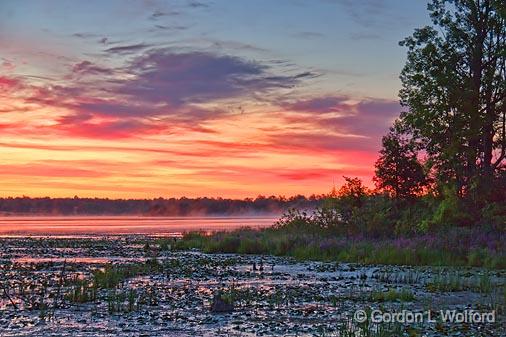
x=111 y=225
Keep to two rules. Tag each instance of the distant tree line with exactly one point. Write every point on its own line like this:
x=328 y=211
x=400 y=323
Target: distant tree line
x=155 y=207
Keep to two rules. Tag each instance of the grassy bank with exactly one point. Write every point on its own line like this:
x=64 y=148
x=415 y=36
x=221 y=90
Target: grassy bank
x=454 y=247
x=362 y=226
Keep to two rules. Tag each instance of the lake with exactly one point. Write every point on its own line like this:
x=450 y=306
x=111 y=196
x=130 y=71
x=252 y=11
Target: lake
x=117 y=225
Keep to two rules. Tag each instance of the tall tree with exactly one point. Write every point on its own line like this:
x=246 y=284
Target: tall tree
x=454 y=88
x=399 y=171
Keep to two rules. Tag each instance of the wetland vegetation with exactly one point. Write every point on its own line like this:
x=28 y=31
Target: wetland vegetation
x=133 y=286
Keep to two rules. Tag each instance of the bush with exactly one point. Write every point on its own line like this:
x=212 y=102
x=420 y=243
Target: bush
x=375 y=218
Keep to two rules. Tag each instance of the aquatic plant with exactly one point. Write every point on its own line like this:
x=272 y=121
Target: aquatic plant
x=403 y=295
x=122 y=301
x=309 y=299
x=112 y=275
x=446 y=282
x=351 y=328
x=81 y=291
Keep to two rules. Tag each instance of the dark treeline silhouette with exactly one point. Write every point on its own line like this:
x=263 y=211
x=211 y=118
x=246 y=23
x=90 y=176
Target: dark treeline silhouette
x=155 y=207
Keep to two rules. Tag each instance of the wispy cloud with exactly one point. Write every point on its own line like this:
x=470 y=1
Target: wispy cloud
x=89 y=68
x=308 y=35
x=9 y=83
x=171 y=27
x=128 y=49
x=158 y=83
x=367 y=13
x=109 y=129
x=325 y=104
x=159 y=14
x=198 y=4
x=47 y=170
x=352 y=125
x=84 y=35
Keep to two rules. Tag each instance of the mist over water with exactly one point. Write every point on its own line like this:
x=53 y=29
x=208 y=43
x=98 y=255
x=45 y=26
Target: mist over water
x=117 y=225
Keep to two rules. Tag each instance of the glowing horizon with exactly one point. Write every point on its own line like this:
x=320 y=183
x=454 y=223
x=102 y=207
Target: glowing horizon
x=146 y=99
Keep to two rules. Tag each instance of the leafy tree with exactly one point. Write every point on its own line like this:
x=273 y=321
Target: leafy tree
x=398 y=169
x=354 y=191
x=454 y=88
x=350 y=197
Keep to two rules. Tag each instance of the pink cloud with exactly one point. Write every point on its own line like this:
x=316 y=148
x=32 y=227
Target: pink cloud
x=8 y=65
x=8 y=83
x=113 y=129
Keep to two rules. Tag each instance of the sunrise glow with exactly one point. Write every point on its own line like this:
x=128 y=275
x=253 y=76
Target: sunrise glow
x=176 y=99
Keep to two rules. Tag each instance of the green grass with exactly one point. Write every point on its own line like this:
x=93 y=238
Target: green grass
x=327 y=247
x=403 y=295
x=455 y=281
x=111 y=276
x=122 y=301
x=81 y=291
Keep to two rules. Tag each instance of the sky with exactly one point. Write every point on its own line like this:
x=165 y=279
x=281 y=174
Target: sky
x=145 y=99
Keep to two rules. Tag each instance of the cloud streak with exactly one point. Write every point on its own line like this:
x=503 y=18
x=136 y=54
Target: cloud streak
x=369 y=117
x=128 y=49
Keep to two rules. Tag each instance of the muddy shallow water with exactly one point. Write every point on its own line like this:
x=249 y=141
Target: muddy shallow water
x=272 y=296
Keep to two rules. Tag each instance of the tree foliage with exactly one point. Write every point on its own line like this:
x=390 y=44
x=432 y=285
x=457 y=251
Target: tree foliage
x=453 y=92
x=399 y=172
x=453 y=86
x=353 y=190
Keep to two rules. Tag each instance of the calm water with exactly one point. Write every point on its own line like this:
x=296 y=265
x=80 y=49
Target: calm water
x=109 y=225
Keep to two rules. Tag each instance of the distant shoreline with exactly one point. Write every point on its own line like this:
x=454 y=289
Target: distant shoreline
x=159 y=207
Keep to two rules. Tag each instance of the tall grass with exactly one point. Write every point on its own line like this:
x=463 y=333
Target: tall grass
x=403 y=295
x=456 y=248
